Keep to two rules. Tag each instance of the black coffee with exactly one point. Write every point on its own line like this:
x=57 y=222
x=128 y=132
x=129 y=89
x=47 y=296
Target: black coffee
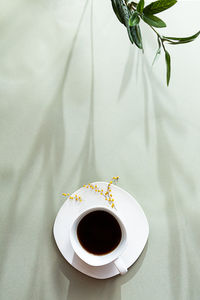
x=99 y=232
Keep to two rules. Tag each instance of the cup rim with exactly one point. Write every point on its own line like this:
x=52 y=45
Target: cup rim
x=90 y=258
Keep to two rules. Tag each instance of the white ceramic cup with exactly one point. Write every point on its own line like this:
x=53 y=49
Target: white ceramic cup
x=100 y=260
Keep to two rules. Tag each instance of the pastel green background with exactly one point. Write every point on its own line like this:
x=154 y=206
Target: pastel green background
x=78 y=103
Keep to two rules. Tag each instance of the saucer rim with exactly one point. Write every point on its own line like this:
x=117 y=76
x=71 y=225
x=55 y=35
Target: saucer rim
x=81 y=266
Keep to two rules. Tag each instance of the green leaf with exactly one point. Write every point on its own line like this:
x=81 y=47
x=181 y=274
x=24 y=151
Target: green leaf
x=153 y=21
x=177 y=43
x=136 y=36
x=122 y=12
x=134 y=19
x=194 y=36
x=158 y=6
x=157 y=52
x=140 y=6
x=175 y=40
x=118 y=11
x=168 y=66
x=139 y=34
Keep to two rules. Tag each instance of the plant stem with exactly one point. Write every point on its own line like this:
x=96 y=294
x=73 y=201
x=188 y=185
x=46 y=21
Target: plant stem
x=159 y=36
x=130 y=5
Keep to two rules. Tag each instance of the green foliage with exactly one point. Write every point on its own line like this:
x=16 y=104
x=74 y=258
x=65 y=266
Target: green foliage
x=168 y=65
x=158 y=6
x=136 y=35
x=175 y=40
x=158 y=51
x=134 y=19
x=140 y=6
x=116 y=4
x=153 y=21
x=129 y=13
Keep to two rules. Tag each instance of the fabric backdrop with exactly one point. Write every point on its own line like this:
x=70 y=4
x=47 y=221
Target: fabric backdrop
x=79 y=103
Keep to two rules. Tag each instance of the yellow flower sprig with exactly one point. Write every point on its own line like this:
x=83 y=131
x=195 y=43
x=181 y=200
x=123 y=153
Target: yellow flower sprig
x=107 y=195
x=108 y=192
x=76 y=197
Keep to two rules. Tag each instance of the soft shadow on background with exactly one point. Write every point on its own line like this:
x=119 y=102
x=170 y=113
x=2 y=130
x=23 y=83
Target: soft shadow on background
x=144 y=132
x=84 y=287
x=86 y=160
x=172 y=134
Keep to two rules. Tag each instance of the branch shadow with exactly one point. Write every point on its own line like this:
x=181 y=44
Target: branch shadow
x=169 y=166
x=86 y=161
x=49 y=146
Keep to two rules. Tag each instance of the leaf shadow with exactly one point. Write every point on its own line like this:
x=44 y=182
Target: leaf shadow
x=169 y=166
x=49 y=145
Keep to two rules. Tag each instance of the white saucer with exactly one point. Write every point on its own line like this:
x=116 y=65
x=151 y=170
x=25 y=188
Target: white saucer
x=131 y=213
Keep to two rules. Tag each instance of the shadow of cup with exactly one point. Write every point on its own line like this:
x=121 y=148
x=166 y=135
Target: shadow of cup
x=84 y=287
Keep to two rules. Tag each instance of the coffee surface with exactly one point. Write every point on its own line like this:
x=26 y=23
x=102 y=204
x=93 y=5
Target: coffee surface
x=99 y=232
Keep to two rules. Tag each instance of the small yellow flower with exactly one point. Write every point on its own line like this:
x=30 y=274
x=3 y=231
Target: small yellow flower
x=101 y=193
x=110 y=195
x=113 y=200
x=87 y=186
x=64 y=194
x=68 y=194
x=71 y=197
x=80 y=200
x=95 y=186
x=95 y=190
x=111 y=182
x=84 y=185
x=112 y=205
x=106 y=193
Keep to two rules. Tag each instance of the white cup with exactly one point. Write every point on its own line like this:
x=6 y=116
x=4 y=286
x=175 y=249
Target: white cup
x=100 y=260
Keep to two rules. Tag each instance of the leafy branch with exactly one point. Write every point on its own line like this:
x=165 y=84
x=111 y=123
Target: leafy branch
x=130 y=13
